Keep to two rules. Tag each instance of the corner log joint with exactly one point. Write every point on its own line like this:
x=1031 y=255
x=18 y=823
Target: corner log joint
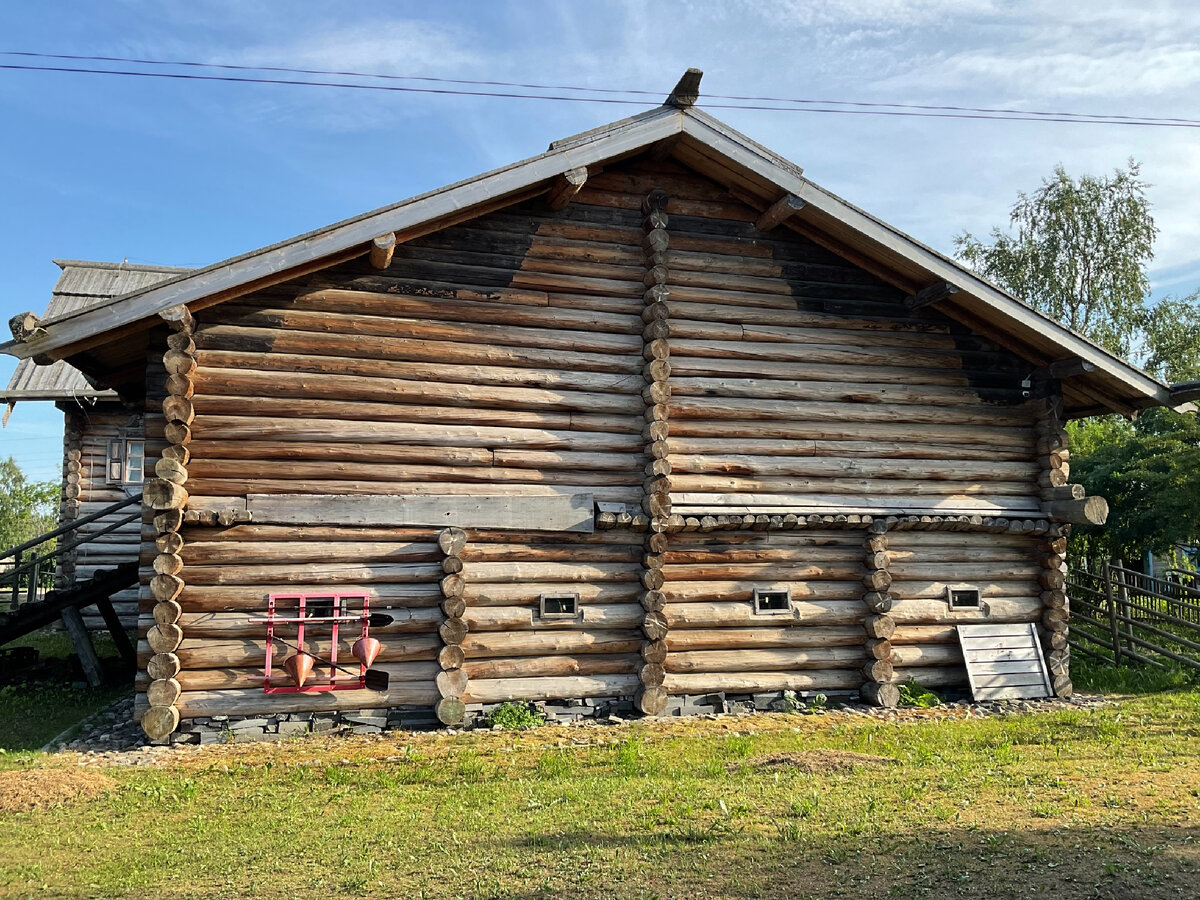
x=565 y=187
x=382 y=249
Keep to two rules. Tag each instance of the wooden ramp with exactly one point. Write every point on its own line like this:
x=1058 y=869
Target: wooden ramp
x=1004 y=662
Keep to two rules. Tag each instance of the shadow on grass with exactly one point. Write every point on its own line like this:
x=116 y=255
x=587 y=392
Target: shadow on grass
x=1149 y=862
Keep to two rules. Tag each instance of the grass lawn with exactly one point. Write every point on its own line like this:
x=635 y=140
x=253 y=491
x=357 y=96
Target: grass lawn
x=31 y=714
x=1085 y=803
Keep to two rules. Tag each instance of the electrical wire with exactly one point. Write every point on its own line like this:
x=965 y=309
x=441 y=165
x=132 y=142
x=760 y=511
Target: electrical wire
x=1039 y=117
x=595 y=90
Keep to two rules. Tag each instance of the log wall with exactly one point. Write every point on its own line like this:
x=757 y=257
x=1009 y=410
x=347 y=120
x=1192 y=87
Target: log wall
x=715 y=640
x=86 y=490
x=646 y=344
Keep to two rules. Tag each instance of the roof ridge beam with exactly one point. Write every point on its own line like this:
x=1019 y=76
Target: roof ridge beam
x=687 y=91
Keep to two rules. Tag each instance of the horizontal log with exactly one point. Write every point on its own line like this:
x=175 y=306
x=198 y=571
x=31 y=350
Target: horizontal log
x=253 y=702
x=887 y=487
x=768 y=571
x=743 y=660
x=250 y=624
x=726 y=615
x=832 y=467
x=562 y=573
x=209 y=405
x=501 y=690
x=417 y=350
x=926 y=655
x=553 y=666
x=487 y=645
x=338 y=430
x=749 y=638
x=208 y=553
x=223 y=679
x=743 y=409
x=229 y=598
x=743 y=591
x=317 y=573
x=308 y=386
x=934 y=612
x=515 y=618
x=522 y=592
x=756 y=682
x=211 y=653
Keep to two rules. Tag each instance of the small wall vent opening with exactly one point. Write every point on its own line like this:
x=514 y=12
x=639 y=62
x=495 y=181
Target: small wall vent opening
x=772 y=601
x=559 y=606
x=962 y=597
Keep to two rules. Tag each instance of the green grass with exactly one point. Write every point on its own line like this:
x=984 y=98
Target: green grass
x=1101 y=802
x=33 y=713
x=1091 y=675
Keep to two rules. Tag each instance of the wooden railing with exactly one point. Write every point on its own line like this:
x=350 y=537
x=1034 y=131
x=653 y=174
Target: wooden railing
x=28 y=568
x=1119 y=615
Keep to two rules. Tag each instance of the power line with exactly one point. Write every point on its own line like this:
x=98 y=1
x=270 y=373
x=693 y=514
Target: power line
x=1038 y=117
x=595 y=90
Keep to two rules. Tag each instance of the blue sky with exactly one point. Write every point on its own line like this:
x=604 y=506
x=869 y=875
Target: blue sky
x=187 y=173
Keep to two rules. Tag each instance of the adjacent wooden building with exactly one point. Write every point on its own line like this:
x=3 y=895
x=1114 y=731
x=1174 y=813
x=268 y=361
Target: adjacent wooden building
x=103 y=438
x=649 y=417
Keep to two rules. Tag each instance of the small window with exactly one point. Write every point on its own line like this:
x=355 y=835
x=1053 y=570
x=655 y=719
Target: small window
x=772 y=601
x=559 y=606
x=126 y=462
x=962 y=597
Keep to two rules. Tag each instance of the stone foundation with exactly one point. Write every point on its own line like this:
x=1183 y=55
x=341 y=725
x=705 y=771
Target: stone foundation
x=239 y=729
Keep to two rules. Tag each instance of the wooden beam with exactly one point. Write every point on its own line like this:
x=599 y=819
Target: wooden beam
x=1068 y=368
x=1089 y=511
x=687 y=91
x=929 y=295
x=382 y=249
x=25 y=326
x=566 y=186
x=553 y=512
x=783 y=208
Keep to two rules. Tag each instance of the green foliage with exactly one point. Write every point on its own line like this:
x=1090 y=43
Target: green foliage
x=1079 y=253
x=1171 y=333
x=914 y=694
x=514 y=716
x=27 y=508
x=818 y=702
x=1150 y=474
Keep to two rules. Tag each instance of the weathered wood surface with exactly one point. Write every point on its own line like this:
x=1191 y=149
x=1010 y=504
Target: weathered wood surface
x=564 y=512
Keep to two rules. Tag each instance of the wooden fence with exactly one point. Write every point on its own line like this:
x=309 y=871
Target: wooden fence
x=1119 y=615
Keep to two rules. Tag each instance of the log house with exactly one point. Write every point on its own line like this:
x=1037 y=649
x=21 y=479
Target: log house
x=648 y=418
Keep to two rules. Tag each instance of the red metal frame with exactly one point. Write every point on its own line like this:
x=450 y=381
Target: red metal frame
x=334 y=681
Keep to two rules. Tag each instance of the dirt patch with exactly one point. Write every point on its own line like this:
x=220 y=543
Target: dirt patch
x=24 y=790
x=814 y=762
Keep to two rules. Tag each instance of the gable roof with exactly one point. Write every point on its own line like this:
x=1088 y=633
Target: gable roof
x=750 y=171
x=81 y=285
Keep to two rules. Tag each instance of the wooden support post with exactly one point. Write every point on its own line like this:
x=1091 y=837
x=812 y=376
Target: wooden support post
x=167 y=495
x=77 y=631
x=931 y=294
x=452 y=680
x=565 y=187
x=779 y=211
x=878 y=690
x=1114 y=628
x=382 y=249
